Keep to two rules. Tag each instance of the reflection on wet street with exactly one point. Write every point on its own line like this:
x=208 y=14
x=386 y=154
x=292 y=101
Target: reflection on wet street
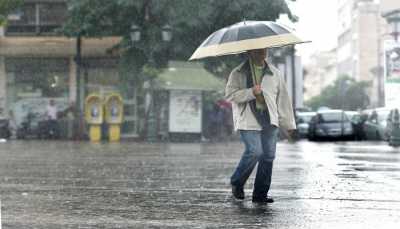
x=139 y=185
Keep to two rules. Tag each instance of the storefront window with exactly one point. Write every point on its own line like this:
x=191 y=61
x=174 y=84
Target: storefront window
x=103 y=78
x=27 y=78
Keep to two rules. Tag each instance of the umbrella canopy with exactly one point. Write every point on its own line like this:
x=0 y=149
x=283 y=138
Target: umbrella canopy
x=243 y=36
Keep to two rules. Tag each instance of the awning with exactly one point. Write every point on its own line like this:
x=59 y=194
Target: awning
x=188 y=76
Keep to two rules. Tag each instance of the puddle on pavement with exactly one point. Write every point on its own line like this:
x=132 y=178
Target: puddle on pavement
x=347 y=175
x=370 y=158
x=377 y=169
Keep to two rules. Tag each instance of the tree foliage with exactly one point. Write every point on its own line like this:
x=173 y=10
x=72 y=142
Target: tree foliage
x=191 y=21
x=6 y=7
x=344 y=93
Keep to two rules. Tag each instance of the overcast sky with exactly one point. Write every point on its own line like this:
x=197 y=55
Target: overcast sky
x=317 y=22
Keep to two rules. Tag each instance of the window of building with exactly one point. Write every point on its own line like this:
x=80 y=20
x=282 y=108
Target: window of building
x=41 y=18
x=27 y=78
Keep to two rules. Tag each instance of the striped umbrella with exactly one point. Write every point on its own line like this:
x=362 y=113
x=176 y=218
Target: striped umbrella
x=243 y=36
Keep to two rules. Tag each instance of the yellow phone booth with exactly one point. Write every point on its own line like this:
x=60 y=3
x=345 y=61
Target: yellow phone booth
x=114 y=111
x=94 y=115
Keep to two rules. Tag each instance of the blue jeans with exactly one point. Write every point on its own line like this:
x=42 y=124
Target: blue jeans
x=260 y=146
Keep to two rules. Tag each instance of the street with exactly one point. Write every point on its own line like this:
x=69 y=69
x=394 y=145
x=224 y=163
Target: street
x=56 y=184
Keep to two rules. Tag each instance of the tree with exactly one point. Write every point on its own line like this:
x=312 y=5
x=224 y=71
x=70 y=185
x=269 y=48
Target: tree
x=6 y=7
x=345 y=93
x=192 y=21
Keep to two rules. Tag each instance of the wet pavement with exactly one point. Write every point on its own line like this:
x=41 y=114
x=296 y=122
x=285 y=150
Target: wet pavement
x=46 y=184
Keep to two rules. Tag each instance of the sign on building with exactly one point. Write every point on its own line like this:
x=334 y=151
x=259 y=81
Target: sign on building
x=185 y=111
x=392 y=74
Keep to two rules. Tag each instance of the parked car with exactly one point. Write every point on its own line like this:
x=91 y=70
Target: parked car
x=303 y=120
x=375 y=127
x=330 y=124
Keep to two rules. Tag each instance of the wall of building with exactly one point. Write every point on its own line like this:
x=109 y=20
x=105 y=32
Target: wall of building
x=389 y=5
x=368 y=25
x=321 y=72
x=359 y=46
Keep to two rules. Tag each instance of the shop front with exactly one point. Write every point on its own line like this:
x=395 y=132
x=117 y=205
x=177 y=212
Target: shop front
x=35 y=70
x=32 y=82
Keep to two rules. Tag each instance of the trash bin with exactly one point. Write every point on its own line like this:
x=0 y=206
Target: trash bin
x=94 y=116
x=114 y=114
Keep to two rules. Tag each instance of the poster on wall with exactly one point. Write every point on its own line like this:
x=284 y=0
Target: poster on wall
x=185 y=111
x=392 y=74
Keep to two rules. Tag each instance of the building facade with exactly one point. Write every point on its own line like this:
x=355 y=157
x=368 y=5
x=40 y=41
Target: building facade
x=321 y=72
x=359 y=44
x=38 y=64
x=362 y=32
x=390 y=54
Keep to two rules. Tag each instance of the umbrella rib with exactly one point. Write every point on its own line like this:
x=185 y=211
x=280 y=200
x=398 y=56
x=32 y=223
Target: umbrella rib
x=221 y=41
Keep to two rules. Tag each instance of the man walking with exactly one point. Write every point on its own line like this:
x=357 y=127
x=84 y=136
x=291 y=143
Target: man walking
x=261 y=105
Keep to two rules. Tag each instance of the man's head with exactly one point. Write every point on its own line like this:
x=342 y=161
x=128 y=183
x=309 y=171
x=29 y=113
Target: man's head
x=51 y=102
x=257 y=55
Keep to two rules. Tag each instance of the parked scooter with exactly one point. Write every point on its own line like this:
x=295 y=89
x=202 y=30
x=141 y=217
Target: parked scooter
x=49 y=129
x=29 y=127
x=5 y=132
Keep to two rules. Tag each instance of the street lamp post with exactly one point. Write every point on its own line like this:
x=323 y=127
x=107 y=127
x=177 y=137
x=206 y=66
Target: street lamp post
x=151 y=127
x=78 y=100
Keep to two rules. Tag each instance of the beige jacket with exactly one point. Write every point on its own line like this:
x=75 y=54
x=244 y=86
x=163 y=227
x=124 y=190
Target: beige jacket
x=275 y=95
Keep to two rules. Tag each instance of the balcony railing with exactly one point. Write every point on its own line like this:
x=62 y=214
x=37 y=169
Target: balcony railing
x=32 y=29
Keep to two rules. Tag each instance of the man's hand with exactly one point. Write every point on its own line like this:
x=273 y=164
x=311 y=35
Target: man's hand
x=291 y=134
x=257 y=90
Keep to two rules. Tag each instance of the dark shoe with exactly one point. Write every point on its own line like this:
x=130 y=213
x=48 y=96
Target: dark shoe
x=265 y=200
x=238 y=192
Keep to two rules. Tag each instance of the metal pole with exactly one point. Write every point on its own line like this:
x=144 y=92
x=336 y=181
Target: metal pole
x=379 y=72
x=151 y=135
x=151 y=117
x=78 y=116
x=78 y=71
